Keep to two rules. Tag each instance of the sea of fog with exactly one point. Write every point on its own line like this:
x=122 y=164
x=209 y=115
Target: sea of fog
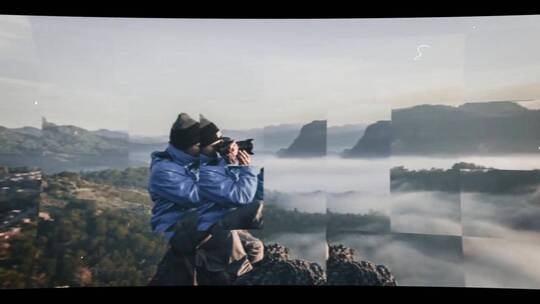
x=335 y=174
x=413 y=259
x=306 y=246
x=436 y=238
x=361 y=185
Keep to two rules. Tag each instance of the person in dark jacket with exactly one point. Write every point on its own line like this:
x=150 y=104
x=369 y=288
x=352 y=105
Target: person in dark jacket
x=225 y=185
x=173 y=187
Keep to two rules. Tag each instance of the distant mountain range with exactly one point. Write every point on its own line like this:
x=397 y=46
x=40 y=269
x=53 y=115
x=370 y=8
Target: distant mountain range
x=374 y=143
x=311 y=142
x=275 y=137
x=272 y=138
x=485 y=128
x=472 y=128
x=51 y=139
x=55 y=147
x=67 y=147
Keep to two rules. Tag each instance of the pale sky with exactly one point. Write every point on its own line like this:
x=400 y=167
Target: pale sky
x=138 y=74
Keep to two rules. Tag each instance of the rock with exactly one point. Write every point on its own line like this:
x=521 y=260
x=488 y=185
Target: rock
x=374 y=143
x=277 y=269
x=472 y=128
x=311 y=142
x=342 y=269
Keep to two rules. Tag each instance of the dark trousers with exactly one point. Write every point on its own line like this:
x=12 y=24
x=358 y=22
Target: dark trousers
x=227 y=255
x=178 y=265
x=231 y=248
x=214 y=257
x=175 y=270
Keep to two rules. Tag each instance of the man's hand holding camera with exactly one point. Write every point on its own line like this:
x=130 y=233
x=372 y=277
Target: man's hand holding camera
x=237 y=156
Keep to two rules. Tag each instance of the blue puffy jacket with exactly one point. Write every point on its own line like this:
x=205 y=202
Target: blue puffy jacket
x=173 y=188
x=223 y=188
x=259 y=195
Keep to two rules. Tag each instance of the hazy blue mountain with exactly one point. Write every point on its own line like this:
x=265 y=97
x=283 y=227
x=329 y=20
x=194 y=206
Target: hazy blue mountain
x=69 y=139
x=498 y=127
x=311 y=142
x=472 y=128
x=267 y=139
x=270 y=138
x=275 y=137
x=374 y=143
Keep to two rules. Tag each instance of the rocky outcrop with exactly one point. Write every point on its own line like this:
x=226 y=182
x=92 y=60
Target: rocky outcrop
x=74 y=141
x=499 y=127
x=311 y=142
x=343 y=269
x=277 y=269
x=471 y=128
x=375 y=142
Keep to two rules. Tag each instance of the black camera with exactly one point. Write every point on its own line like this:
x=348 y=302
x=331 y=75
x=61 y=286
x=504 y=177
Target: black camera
x=245 y=145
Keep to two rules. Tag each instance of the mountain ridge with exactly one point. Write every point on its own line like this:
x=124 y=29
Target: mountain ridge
x=499 y=127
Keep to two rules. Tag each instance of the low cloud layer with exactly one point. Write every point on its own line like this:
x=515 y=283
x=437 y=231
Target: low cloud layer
x=491 y=262
x=415 y=260
x=426 y=212
x=513 y=217
x=307 y=246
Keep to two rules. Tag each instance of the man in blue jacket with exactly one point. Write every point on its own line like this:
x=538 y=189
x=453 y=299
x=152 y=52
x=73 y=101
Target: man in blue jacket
x=225 y=185
x=173 y=187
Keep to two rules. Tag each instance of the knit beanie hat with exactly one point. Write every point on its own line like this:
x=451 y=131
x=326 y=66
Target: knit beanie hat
x=184 y=132
x=210 y=133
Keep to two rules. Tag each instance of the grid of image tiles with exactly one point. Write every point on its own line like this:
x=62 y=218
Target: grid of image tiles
x=384 y=152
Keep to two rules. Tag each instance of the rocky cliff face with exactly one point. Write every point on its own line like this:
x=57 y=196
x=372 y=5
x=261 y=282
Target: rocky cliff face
x=471 y=128
x=74 y=140
x=375 y=142
x=499 y=127
x=342 y=269
x=277 y=269
x=311 y=142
